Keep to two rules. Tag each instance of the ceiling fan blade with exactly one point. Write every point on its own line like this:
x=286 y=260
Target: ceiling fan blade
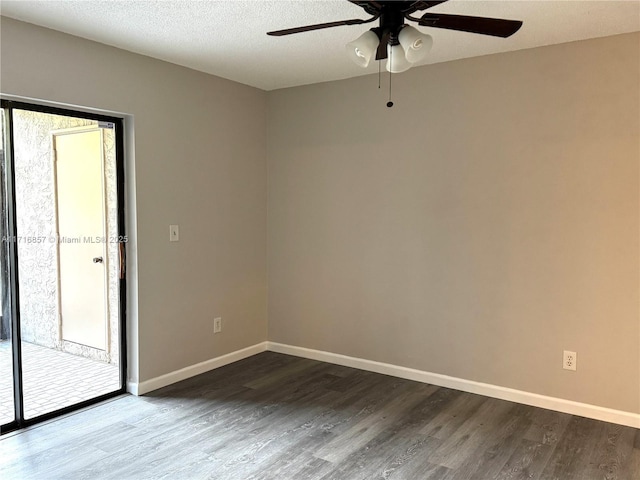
x=485 y=26
x=364 y=3
x=319 y=26
x=424 y=5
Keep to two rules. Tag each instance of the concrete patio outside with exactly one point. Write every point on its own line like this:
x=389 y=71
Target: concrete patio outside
x=52 y=380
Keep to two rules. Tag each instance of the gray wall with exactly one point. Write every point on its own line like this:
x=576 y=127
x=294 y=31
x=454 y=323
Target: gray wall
x=480 y=227
x=199 y=157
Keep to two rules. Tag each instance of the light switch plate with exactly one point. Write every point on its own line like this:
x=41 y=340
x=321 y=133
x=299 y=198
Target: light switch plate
x=174 y=233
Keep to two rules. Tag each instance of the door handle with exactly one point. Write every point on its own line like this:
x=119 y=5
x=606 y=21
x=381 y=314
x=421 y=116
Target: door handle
x=123 y=263
x=98 y=259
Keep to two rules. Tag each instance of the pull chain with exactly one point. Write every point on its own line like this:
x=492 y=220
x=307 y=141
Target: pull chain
x=390 y=103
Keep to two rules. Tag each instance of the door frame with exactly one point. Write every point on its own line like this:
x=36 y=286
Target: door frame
x=13 y=305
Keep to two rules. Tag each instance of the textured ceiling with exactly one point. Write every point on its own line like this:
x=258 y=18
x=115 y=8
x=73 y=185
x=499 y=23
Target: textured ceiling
x=227 y=38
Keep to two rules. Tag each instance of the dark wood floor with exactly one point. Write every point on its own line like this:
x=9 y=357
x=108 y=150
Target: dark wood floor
x=274 y=416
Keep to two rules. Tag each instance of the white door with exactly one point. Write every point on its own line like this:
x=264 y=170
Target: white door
x=81 y=230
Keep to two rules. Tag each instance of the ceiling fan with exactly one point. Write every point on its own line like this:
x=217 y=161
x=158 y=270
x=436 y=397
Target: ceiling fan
x=402 y=44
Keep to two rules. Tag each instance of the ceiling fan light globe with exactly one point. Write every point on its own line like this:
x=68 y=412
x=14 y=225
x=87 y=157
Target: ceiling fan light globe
x=396 y=59
x=363 y=48
x=415 y=43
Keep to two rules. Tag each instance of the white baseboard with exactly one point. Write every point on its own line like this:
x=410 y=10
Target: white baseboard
x=132 y=388
x=488 y=390
x=193 y=370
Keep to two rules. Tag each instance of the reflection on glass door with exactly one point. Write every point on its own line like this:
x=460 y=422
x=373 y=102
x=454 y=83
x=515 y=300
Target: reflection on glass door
x=68 y=245
x=7 y=408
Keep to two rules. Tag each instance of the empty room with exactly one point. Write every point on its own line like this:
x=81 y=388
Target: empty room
x=328 y=240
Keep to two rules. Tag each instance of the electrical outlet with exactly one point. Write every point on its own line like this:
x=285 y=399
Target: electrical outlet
x=569 y=360
x=217 y=325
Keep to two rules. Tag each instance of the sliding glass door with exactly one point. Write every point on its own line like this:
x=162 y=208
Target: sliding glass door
x=63 y=248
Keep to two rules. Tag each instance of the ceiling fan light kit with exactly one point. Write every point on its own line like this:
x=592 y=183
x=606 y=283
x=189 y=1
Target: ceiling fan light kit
x=416 y=45
x=401 y=44
x=411 y=47
x=396 y=59
x=363 y=48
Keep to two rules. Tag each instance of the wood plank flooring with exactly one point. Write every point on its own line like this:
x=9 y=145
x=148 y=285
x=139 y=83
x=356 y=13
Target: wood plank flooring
x=274 y=416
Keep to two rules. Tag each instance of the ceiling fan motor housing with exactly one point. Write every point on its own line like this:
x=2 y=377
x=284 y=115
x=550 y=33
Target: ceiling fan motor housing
x=391 y=22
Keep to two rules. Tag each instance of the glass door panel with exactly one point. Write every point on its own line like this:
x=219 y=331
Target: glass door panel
x=67 y=226
x=62 y=303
